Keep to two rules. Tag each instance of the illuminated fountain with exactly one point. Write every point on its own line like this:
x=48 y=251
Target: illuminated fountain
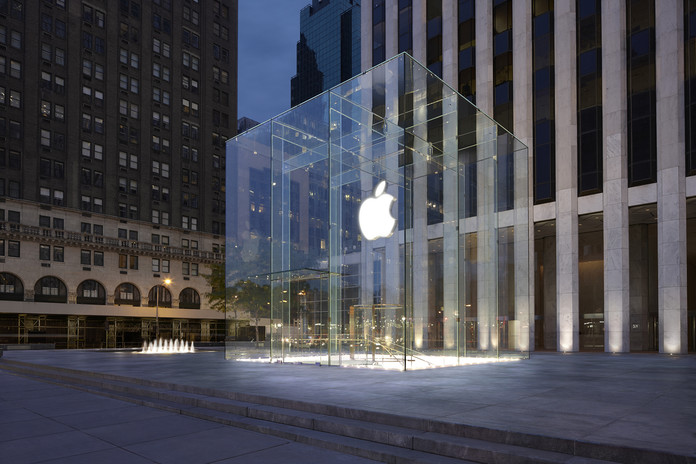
x=167 y=346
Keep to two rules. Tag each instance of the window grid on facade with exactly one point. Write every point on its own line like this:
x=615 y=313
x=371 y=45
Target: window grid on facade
x=467 y=49
x=544 y=114
x=434 y=36
x=378 y=32
x=640 y=60
x=690 y=84
x=589 y=81
x=502 y=63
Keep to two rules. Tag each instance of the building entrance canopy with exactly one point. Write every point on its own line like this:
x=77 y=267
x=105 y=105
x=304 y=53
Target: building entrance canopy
x=382 y=223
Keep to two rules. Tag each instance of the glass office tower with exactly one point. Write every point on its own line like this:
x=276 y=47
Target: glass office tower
x=328 y=232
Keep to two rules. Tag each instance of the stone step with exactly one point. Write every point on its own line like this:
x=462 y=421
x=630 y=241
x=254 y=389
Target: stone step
x=442 y=439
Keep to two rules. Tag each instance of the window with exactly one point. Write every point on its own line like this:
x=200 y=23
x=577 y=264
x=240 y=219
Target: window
x=46 y=23
x=44 y=195
x=45 y=252
x=85 y=257
x=13 y=248
x=46 y=109
x=16 y=69
x=45 y=138
x=155 y=265
x=46 y=52
x=60 y=57
x=58 y=254
x=60 y=29
x=98 y=258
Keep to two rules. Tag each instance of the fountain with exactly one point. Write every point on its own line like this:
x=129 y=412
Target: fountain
x=167 y=346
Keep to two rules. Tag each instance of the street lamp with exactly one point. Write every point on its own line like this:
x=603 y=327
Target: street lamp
x=157 y=292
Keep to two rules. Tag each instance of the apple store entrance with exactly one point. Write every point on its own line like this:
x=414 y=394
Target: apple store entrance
x=383 y=223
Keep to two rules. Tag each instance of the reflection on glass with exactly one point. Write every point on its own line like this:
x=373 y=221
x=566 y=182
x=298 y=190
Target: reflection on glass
x=307 y=286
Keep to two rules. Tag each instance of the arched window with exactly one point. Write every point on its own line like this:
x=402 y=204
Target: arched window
x=189 y=299
x=127 y=294
x=165 y=297
x=11 y=288
x=91 y=292
x=50 y=289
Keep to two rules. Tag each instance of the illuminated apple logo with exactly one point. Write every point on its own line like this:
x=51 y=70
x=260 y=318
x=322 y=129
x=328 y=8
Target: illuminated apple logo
x=375 y=217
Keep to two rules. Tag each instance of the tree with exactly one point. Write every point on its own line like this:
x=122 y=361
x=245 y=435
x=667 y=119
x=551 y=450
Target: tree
x=218 y=294
x=255 y=298
x=222 y=297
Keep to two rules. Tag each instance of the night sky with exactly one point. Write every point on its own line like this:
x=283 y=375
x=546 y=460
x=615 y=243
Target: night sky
x=268 y=34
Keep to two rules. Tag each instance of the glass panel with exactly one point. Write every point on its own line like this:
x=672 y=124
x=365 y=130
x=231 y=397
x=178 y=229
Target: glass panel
x=332 y=256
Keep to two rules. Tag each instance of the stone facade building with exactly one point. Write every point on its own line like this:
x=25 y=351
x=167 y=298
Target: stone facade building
x=114 y=117
x=602 y=93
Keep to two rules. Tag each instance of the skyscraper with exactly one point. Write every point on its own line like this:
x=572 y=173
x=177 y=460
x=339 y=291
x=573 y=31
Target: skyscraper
x=112 y=147
x=328 y=51
x=601 y=92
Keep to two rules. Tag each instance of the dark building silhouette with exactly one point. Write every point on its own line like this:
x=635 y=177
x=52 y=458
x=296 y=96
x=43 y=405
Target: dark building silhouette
x=328 y=51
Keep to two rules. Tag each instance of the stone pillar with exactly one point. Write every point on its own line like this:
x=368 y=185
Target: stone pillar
x=567 y=303
x=549 y=283
x=485 y=137
x=523 y=117
x=419 y=31
x=487 y=236
x=484 y=55
x=391 y=24
x=450 y=43
x=420 y=213
x=615 y=194
x=450 y=226
x=671 y=180
x=366 y=36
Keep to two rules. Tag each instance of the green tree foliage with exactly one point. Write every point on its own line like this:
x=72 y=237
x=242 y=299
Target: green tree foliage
x=245 y=295
x=254 y=298
x=218 y=295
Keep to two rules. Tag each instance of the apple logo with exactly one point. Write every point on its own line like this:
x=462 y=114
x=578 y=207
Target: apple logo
x=375 y=217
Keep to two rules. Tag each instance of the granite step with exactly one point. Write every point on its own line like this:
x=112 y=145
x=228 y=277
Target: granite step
x=434 y=438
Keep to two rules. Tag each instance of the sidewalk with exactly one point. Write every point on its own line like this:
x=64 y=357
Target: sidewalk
x=41 y=422
x=645 y=401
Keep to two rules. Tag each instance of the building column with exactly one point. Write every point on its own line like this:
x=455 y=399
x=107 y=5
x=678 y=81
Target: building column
x=549 y=283
x=523 y=117
x=391 y=24
x=485 y=137
x=450 y=225
x=484 y=56
x=366 y=36
x=419 y=31
x=567 y=296
x=450 y=44
x=671 y=180
x=615 y=190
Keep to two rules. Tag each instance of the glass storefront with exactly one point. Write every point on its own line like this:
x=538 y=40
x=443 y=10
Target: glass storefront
x=366 y=228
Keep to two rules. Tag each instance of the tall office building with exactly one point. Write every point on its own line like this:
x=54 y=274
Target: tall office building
x=114 y=117
x=328 y=51
x=602 y=93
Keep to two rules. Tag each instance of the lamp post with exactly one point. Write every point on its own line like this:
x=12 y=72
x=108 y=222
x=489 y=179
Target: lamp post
x=157 y=292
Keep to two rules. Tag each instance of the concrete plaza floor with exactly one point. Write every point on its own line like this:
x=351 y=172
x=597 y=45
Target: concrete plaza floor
x=645 y=401
x=46 y=423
